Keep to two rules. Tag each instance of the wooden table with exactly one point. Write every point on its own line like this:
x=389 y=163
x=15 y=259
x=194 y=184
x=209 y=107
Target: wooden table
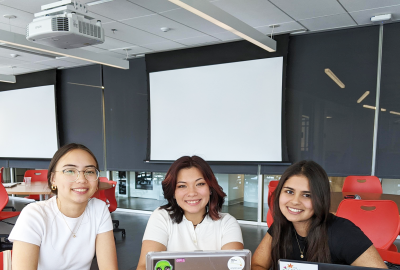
x=35 y=188
x=40 y=188
x=337 y=197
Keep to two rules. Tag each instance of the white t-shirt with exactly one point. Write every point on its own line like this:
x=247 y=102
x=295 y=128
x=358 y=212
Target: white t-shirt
x=41 y=224
x=208 y=235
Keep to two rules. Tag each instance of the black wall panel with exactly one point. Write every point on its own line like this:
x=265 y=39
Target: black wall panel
x=388 y=148
x=35 y=79
x=80 y=108
x=324 y=122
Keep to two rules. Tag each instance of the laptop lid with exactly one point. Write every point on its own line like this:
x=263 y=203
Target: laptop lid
x=302 y=265
x=199 y=260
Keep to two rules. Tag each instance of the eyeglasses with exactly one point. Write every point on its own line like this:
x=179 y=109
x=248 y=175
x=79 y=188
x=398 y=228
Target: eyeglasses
x=71 y=175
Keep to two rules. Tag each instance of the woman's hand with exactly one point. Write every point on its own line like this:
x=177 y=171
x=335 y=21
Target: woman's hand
x=106 y=253
x=262 y=256
x=25 y=256
x=148 y=246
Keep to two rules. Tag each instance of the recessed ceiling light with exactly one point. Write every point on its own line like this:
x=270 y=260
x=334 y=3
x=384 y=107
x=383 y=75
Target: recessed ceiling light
x=97 y=2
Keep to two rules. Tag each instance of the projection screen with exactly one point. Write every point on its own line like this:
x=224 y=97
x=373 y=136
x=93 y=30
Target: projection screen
x=225 y=112
x=28 y=123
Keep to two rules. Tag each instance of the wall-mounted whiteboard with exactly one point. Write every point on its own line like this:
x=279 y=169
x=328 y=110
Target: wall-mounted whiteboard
x=28 y=126
x=225 y=112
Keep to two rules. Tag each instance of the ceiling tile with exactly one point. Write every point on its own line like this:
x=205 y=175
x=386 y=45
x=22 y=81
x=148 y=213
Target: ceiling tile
x=132 y=50
x=8 y=61
x=328 y=22
x=305 y=9
x=155 y=5
x=226 y=36
x=94 y=49
x=14 y=29
x=254 y=12
x=164 y=46
x=282 y=28
x=14 y=71
x=34 y=66
x=357 y=5
x=203 y=39
x=111 y=43
x=189 y=19
x=22 y=56
x=120 y=10
x=58 y=63
x=22 y=20
x=153 y=23
x=31 y=6
x=364 y=17
x=130 y=34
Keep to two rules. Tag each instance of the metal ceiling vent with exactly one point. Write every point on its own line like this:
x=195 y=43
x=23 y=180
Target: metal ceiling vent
x=59 y=24
x=89 y=29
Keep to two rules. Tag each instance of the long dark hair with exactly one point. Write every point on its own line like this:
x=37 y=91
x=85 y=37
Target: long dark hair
x=317 y=249
x=59 y=154
x=169 y=186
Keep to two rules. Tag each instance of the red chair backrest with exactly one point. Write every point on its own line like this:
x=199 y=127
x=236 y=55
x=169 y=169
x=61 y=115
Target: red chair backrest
x=1 y=174
x=362 y=184
x=3 y=197
x=107 y=195
x=389 y=256
x=271 y=188
x=378 y=219
x=36 y=175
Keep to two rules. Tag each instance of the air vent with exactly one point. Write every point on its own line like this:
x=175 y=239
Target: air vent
x=89 y=29
x=59 y=24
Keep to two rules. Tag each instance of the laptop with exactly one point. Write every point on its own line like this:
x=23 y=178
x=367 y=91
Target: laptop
x=199 y=260
x=10 y=185
x=302 y=265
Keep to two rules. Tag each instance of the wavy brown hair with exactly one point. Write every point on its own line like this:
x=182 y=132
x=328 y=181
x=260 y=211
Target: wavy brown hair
x=317 y=249
x=169 y=185
x=62 y=152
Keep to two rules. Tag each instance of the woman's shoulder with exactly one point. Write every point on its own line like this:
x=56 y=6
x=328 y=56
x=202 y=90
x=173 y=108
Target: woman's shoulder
x=40 y=210
x=339 y=223
x=161 y=213
x=226 y=219
x=96 y=203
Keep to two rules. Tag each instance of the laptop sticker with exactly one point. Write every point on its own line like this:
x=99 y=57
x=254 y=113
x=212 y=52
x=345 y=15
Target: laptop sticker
x=164 y=265
x=297 y=266
x=235 y=263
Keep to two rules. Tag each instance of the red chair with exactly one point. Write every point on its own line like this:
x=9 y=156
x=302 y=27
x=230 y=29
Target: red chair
x=389 y=256
x=271 y=188
x=378 y=219
x=1 y=174
x=108 y=196
x=362 y=184
x=5 y=215
x=36 y=176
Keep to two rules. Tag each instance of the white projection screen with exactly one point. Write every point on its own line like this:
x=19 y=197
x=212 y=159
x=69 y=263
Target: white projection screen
x=225 y=112
x=28 y=127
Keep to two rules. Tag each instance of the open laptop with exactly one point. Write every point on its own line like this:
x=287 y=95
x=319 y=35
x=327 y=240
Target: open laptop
x=302 y=265
x=199 y=260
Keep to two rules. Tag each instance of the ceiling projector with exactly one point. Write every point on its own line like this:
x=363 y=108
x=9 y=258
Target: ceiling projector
x=65 y=24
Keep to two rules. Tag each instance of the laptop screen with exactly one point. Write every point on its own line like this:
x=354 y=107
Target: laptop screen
x=302 y=265
x=202 y=260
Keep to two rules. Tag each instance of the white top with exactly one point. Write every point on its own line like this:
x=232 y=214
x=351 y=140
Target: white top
x=208 y=235
x=42 y=224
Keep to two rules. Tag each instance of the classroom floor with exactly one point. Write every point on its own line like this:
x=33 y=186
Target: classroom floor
x=239 y=211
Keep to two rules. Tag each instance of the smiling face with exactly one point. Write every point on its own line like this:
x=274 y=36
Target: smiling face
x=81 y=190
x=192 y=193
x=295 y=202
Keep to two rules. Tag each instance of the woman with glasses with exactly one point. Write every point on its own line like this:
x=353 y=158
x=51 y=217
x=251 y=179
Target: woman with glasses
x=66 y=231
x=191 y=220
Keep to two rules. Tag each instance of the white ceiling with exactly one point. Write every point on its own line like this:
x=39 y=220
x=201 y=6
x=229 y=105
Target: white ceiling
x=138 y=23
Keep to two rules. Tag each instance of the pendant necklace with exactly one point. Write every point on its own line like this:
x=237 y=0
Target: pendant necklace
x=72 y=233
x=301 y=251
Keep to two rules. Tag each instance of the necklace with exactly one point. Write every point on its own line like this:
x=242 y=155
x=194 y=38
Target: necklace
x=199 y=222
x=301 y=251
x=72 y=233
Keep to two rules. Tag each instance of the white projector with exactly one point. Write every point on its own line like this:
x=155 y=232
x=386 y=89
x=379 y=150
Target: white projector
x=65 y=25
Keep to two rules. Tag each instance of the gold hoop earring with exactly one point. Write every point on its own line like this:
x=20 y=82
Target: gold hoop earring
x=53 y=187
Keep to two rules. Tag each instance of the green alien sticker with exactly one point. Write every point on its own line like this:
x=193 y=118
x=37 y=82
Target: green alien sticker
x=163 y=265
